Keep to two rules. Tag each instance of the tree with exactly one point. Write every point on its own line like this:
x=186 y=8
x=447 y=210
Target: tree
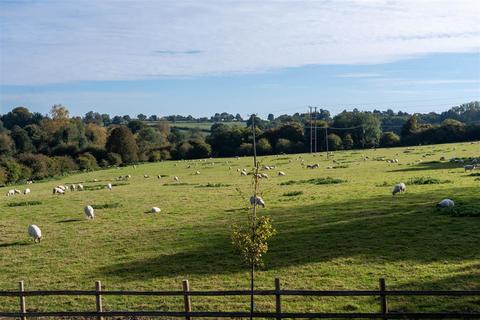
x=136 y=125
x=19 y=116
x=270 y=117
x=141 y=117
x=59 y=112
x=348 y=142
x=389 y=139
x=23 y=143
x=96 y=135
x=7 y=145
x=238 y=117
x=121 y=141
x=334 y=142
x=200 y=149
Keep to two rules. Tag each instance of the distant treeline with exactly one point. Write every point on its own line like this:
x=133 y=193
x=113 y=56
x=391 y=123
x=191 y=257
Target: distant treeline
x=35 y=146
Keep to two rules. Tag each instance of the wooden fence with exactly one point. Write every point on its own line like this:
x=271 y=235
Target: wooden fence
x=382 y=294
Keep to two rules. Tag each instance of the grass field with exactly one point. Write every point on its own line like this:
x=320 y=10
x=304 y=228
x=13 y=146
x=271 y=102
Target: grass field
x=329 y=236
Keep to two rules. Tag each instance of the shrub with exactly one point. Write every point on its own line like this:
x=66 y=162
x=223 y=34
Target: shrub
x=389 y=139
x=87 y=161
x=24 y=203
x=317 y=181
x=263 y=146
x=15 y=171
x=426 y=180
x=334 y=142
x=245 y=149
x=292 y=193
x=40 y=165
x=106 y=205
x=64 y=164
x=114 y=159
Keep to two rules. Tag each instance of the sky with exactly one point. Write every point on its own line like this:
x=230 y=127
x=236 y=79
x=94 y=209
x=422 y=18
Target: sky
x=202 y=57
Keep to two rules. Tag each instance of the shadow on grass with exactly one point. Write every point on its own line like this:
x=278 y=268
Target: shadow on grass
x=433 y=165
x=465 y=279
x=69 y=220
x=15 y=244
x=382 y=228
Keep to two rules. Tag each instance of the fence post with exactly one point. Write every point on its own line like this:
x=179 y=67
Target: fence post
x=186 y=298
x=278 y=305
x=23 y=309
x=383 y=299
x=98 y=298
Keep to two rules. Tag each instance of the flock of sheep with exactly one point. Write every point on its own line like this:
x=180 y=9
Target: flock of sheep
x=36 y=234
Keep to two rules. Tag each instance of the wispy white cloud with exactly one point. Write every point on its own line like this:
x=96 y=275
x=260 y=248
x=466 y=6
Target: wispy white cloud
x=60 y=41
x=358 y=75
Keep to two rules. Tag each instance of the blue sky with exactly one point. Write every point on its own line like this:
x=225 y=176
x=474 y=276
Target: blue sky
x=198 y=58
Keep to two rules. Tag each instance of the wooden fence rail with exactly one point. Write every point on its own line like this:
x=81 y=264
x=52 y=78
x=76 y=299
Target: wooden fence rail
x=277 y=293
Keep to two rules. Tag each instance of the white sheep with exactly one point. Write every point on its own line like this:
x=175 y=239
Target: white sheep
x=159 y=176
x=35 y=232
x=145 y=176
x=26 y=191
x=264 y=175
x=445 y=203
x=17 y=191
x=399 y=188
x=197 y=173
x=243 y=173
x=257 y=200
x=57 y=190
x=89 y=212
x=10 y=193
x=80 y=187
x=73 y=187
x=176 y=179
x=281 y=173
x=109 y=186
x=29 y=182
x=155 y=210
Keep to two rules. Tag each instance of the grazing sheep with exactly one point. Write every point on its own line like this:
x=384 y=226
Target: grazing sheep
x=89 y=212
x=73 y=187
x=17 y=191
x=469 y=167
x=159 y=176
x=445 y=203
x=257 y=200
x=57 y=190
x=27 y=191
x=109 y=186
x=176 y=179
x=281 y=173
x=146 y=176
x=243 y=173
x=35 y=232
x=80 y=187
x=264 y=175
x=197 y=173
x=399 y=188
x=155 y=210
x=10 y=192
x=29 y=182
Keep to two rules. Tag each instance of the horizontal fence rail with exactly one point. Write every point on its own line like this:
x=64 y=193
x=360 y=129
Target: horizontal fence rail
x=189 y=314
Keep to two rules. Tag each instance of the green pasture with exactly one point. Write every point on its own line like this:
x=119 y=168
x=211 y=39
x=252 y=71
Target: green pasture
x=343 y=235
